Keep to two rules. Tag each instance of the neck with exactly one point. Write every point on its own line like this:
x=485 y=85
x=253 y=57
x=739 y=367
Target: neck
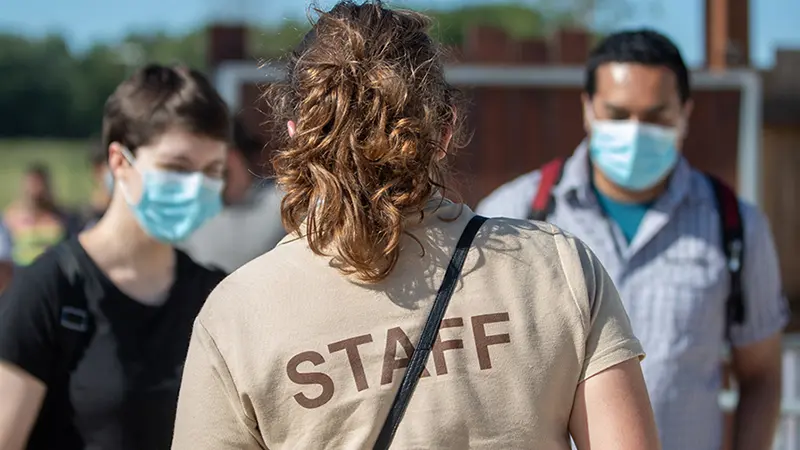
x=99 y=200
x=616 y=193
x=123 y=242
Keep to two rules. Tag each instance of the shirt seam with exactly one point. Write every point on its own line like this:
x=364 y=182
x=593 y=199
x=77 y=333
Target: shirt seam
x=585 y=319
x=603 y=359
x=225 y=370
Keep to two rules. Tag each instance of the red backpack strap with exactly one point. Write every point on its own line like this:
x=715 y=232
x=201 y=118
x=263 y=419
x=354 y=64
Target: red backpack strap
x=732 y=232
x=543 y=202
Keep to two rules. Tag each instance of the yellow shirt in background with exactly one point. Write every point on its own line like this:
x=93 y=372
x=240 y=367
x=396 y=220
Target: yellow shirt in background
x=33 y=233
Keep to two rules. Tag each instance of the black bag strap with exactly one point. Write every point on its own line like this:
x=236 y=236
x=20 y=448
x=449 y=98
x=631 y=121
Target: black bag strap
x=543 y=203
x=420 y=356
x=75 y=316
x=732 y=232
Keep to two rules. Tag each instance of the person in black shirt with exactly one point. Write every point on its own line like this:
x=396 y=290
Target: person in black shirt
x=93 y=335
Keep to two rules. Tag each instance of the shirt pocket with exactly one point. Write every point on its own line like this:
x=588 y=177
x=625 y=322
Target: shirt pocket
x=696 y=313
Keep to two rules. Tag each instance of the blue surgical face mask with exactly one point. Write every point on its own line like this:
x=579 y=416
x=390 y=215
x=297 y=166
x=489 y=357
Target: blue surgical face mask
x=173 y=205
x=635 y=156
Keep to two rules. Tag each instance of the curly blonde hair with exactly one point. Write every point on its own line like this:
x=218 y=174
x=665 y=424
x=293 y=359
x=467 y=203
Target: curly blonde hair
x=375 y=117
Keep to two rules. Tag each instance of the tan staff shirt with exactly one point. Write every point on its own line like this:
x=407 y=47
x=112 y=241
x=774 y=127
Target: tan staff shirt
x=290 y=354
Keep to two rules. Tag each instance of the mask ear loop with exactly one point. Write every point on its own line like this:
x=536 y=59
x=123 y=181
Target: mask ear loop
x=128 y=156
x=131 y=160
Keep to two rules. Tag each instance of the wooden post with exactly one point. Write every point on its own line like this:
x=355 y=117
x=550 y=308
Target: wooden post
x=727 y=34
x=717 y=34
x=226 y=43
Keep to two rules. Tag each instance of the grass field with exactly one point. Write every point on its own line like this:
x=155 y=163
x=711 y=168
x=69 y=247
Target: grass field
x=68 y=162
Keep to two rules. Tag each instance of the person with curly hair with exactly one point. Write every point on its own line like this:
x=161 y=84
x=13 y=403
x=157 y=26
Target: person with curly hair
x=343 y=337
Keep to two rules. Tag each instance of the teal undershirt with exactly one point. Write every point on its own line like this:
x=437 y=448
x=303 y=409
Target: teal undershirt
x=628 y=216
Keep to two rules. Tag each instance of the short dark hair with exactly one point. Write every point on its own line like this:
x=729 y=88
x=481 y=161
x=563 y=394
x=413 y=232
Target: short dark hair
x=98 y=155
x=248 y=144
x=642 y=46
x=157 y=98
x=39 y=170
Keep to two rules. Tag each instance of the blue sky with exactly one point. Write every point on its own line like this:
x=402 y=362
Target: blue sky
x=773 y=22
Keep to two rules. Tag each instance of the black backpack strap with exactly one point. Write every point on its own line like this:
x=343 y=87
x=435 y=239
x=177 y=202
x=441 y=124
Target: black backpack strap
x=544 y=203
x=420 y=356
x=75 y=317
x=732 y=232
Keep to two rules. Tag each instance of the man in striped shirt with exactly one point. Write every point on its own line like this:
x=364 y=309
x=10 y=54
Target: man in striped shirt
x=653 y=221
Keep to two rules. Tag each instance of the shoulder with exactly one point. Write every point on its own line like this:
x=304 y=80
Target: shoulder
x=206 y=276
x=754 y=221
x=30 y=316
x=539 y=246
x=542 y=258
x=512 y=198
x=535 y=233
x=35 y=291
x=258 y=290
x=42 y=274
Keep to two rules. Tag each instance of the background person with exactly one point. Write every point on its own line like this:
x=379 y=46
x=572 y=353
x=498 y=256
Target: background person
x=250 y=224
x=655 y=224
x=301 y=347
x=35 y=221
x=93 y=334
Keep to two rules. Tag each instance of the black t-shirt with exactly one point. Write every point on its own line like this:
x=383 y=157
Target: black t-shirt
x=122 y=394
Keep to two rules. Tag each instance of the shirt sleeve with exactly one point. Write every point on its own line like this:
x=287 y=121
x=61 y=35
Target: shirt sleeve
x=6 y=245
x=210 y=414
x=765 y=306
x=511 y=200
x=28 y=310
x=610 y=339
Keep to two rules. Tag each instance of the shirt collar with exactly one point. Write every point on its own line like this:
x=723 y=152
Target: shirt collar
x=577 y=180
x=436 y=205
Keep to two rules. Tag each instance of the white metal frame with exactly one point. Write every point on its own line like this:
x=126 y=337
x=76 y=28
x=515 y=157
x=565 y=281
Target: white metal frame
x=230 y=76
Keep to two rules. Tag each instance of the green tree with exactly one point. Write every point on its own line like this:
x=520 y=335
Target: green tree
x=35 y=93
x=48 y=90
x=270 y=43
x=519 y=21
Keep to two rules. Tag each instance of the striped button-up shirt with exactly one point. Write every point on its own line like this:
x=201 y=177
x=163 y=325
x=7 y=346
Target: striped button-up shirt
x=673 y=280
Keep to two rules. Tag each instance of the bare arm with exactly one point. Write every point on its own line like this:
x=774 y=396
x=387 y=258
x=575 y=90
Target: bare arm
x=612 y=410
x=756 y=343
x=22 y=396
x=757 y=368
